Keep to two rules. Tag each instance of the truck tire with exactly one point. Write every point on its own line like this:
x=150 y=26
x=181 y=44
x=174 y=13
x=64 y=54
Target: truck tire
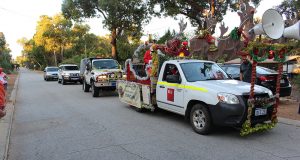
x=95 y=90
x=63 y=82
x=58 y=80
x=85 y=86
x=200 y=119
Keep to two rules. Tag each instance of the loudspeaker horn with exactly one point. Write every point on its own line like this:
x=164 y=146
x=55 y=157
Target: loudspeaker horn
x=272 y=25
x=292 y=31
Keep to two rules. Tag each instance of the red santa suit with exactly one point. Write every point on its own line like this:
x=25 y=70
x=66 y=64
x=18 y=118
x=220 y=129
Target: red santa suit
x=2 y=100
x=147 y=56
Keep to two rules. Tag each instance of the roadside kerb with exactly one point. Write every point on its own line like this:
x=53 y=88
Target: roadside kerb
x=6 y=122
x=289 y=121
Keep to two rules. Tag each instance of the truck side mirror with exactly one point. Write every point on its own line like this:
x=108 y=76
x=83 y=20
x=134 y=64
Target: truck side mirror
x=173 y=79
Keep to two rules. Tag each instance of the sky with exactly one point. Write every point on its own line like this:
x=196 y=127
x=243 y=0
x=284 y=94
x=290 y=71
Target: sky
x=18 y=19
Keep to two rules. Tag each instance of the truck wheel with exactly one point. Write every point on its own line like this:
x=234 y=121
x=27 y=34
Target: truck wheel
x=95 y=90
x=200 y=119
x=58 y=81
x=63 y=81
x=85 y=86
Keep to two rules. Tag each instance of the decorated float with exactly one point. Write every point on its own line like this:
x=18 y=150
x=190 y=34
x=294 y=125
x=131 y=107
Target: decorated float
x=151 y=83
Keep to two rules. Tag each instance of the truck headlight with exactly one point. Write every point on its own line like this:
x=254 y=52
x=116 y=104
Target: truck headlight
x=101 y=77
x=228 y=98
x=66 y=74
x=124 y=76
x=270 y=93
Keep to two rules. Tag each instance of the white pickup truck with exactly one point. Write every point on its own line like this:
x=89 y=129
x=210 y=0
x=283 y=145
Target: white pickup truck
x=100 y=74
x=199 y=90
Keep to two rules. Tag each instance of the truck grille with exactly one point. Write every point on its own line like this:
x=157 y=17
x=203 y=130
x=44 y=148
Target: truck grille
x=262 y=118
x=74 y=74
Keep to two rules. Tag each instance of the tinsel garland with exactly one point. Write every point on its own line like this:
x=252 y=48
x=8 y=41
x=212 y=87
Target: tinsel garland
x=255 y=56
x=263 y=102
x=154 y=64
x=235 y=34
x=128 y=61
x=248 y=129
x=280 y=56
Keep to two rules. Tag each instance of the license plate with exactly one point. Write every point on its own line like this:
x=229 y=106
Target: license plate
x=74 y=78
x=113 y=83
x=260 y=112
x=282 y=81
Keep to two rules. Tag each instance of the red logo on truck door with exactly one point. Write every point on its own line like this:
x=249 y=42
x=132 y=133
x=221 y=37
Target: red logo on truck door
x=170 y=94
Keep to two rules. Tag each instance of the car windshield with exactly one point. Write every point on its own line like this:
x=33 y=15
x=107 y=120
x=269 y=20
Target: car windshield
x=70 y=68
x=52 y=69
x=105 y=64
x=202 y=71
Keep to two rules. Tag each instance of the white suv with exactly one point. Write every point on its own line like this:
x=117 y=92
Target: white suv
x=68 y=73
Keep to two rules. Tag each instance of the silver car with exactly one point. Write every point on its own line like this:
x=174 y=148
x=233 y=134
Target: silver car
x=51 y=73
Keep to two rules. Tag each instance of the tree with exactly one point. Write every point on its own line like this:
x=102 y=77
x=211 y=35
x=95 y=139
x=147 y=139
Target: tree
x=5 y=57
x=197 y=10
x=118 y=15
x=53 y=33
x=290 y=8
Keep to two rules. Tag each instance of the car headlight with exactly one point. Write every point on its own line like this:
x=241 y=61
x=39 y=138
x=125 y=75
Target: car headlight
x=228 y=98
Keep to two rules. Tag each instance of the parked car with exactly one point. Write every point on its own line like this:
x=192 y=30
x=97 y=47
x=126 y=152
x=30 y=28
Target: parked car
x=68 y=73
x=50 y=73
x=264 y=77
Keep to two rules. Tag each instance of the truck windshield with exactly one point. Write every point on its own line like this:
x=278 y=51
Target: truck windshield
x=70 y=68
x=52 y=69
x=105 y=64
x=202 y=71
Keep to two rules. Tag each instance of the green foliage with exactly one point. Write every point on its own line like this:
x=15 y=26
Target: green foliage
x=167 y=36
x=73 y=60
x=290 y=8
x=5 y=57
x=195 y=10
x=118 y=15
x=296 y=80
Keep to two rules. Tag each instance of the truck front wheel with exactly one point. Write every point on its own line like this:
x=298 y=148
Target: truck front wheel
x=95 y=90
x=85 y=86
x=200 y=119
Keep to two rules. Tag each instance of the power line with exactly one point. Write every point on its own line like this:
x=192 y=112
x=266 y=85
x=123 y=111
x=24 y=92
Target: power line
x=15 y=12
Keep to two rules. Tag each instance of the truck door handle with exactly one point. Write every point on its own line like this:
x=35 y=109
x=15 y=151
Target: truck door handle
x=161 y=86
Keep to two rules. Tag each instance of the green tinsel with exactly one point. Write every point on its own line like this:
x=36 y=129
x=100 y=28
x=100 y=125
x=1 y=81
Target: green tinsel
x=246 y=127
x=256 y=57
x=278 y=59
x=234 y=34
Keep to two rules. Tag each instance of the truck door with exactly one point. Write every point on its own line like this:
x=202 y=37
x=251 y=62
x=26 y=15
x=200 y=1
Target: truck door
x=170 y=93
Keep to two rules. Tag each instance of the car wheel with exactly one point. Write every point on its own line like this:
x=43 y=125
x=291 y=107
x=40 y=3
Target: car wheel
x=85 y=86
x=200 y=119
x=95 y=90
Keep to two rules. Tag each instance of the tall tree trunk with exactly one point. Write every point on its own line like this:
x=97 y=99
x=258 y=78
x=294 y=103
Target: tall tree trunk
x=62 y=52
x=114 y=43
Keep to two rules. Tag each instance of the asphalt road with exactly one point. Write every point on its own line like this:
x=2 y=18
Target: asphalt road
x=56 y=122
